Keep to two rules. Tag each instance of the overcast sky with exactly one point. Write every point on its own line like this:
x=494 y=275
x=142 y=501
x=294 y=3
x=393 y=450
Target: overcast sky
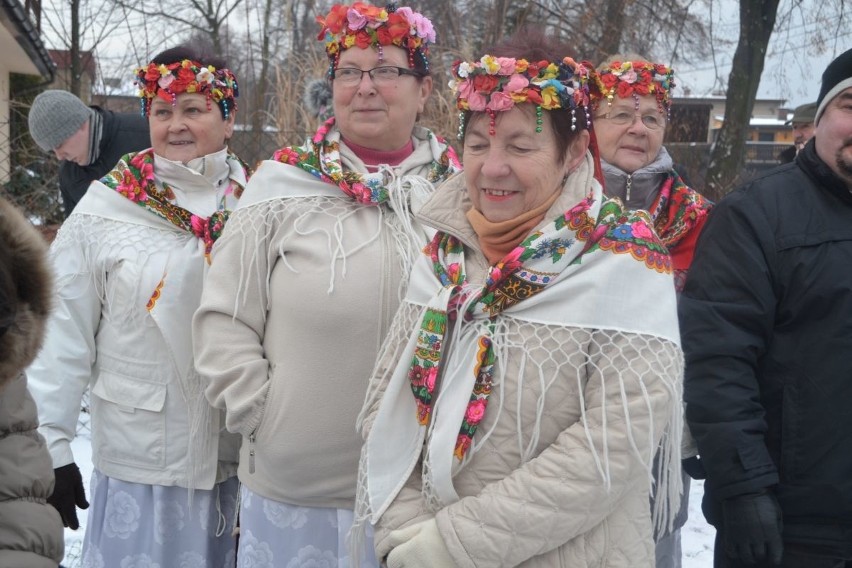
x=798 y=53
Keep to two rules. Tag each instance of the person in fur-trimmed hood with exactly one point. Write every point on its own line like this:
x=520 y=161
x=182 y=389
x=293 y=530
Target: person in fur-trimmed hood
x=30 y=529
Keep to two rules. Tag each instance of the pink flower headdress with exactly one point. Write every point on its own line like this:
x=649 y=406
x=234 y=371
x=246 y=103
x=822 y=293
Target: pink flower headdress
x=169 y=80
x=634 y=78
x=495 y=84
x=362 y=25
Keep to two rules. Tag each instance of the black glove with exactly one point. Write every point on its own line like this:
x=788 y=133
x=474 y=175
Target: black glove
x=694 y=468
x=752 y=527
x=68 y=494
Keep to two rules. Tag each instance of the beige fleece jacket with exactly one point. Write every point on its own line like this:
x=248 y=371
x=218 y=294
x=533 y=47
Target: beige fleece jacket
x=298 y=300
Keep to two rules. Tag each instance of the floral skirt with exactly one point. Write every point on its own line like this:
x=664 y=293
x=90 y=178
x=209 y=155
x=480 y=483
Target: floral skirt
x=152 y=526
x=278 y=535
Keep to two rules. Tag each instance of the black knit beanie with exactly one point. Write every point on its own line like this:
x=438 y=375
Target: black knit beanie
x=836 y=78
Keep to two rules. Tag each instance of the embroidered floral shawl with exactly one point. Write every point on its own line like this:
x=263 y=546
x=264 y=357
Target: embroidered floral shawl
x=133 y=177
x=677 y=210
x=320 y=157
x=594 y=243
x=526 y=271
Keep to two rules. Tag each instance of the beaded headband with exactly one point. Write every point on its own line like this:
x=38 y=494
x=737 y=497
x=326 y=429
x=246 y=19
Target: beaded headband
x=362 y=25
x=495 y=84
x=169 y=80
x=634 y=78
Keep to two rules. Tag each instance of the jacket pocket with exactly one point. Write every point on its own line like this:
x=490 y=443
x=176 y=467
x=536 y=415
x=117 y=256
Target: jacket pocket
x=132 y=289
x=128 y=420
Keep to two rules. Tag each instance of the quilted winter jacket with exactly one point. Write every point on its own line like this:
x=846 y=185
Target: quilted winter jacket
x=31 y=534
x=553 y=510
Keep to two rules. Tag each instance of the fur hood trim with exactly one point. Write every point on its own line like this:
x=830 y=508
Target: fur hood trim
x=25 y=292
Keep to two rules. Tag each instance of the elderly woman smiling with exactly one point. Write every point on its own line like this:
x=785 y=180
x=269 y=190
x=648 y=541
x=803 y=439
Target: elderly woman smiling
x=130 y=264
x=533 y=369
x=324 y=243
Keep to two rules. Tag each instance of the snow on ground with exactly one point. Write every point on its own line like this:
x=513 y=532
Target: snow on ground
x=697 y=536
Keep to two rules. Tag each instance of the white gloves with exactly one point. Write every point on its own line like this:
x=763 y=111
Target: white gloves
x=419 y=546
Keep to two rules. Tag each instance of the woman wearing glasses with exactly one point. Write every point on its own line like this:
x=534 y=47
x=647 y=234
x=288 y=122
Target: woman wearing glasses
x=303 y=288
x=631 y=105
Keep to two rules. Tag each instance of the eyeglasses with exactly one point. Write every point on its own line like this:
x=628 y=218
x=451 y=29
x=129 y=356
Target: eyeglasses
x=380 y=75
x=623 y=118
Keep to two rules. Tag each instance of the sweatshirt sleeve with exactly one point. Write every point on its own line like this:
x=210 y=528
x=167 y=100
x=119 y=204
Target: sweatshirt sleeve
x=63 y=369
x=229 y=325
x=560 y=494
x=727 y=312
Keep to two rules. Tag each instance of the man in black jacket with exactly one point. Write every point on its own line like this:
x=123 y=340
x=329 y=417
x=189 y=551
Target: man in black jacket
x=88 y=140
x=766 y=325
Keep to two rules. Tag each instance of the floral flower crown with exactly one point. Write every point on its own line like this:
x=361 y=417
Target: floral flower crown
x=495 y=84
x=362 y=25
x=634 y=78
x=169 y=80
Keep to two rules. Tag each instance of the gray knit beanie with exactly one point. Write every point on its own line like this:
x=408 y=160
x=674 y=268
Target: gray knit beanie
x=55 y=116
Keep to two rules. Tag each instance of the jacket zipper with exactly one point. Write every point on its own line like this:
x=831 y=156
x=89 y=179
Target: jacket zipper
x=629 y=186
x=251 y=452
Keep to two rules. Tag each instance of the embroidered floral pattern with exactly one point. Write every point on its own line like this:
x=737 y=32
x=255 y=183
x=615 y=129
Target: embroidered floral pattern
x=320 y=157
x=499 y=83
x=677 y=210
x=133 y=177
x=152 y=301
x=526 y=271
x=626 y=231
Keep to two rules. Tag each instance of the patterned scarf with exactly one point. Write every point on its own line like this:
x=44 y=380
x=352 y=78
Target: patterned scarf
x=133 y=177
x=526 y=271
x=320 y=157
x=677 y=210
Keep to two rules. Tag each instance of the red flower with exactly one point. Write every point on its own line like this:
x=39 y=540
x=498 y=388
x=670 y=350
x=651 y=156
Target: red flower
x=609 y=80
x=397 y=27
x=624 y=89
x=367 y=10
x=417 y=375
x=484 y=83
x=363 y=39
x=534 y=97
x=384 y=36
x=186 y=74
x=334 y=20
x=153 y=73
x=641 y=89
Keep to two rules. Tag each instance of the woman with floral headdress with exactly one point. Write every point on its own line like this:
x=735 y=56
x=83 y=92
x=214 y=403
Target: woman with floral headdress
x=632 y=102
x=130 y=264
x=534 y=366
x=306 y=279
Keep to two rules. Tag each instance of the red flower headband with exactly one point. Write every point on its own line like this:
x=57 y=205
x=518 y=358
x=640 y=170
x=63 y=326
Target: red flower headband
x=495 y=84
x=362 y=25
x=167 y=81
x=634 y=78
